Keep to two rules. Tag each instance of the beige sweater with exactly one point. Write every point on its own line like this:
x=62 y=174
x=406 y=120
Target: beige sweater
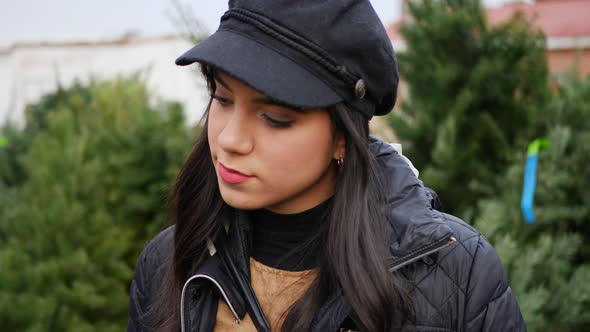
x=276 y=291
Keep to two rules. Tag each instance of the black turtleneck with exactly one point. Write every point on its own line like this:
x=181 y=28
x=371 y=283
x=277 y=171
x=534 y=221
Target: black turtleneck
x=288 y=241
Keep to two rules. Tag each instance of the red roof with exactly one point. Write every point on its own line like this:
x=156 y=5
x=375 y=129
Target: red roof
x=557 y=18
x=394 y=30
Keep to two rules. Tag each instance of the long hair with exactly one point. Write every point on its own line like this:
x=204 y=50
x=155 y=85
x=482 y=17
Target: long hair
x=352 y=257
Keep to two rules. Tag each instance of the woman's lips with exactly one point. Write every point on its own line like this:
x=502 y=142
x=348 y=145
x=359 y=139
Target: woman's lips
x=232 y=176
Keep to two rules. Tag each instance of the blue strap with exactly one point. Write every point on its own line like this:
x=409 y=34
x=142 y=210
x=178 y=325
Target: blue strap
x=528 y=188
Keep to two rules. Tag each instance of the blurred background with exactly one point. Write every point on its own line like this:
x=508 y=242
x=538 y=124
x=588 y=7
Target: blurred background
x=95 y=121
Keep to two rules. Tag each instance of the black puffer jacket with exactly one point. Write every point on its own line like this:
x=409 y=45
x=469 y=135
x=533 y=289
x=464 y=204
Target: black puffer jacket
x=453 y=275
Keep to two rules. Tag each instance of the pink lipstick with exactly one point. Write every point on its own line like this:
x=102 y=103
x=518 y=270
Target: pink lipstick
x=232 y=176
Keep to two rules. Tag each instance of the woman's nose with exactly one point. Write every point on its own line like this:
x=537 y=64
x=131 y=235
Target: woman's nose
x=237 y=134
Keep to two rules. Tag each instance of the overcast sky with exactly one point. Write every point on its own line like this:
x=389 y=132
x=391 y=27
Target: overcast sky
x=62 y=20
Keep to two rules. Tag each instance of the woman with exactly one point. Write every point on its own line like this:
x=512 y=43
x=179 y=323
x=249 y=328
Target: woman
x=288 y=215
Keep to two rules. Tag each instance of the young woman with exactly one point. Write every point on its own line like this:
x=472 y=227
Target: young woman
x=288 y=215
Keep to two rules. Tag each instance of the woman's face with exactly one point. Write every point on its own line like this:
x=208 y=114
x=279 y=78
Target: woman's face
x=267 y=155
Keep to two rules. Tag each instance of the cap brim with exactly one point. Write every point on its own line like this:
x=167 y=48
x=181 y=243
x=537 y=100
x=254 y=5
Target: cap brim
x=262 y=68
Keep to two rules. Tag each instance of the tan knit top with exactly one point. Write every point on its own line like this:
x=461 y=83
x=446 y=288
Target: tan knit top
x=276 y=291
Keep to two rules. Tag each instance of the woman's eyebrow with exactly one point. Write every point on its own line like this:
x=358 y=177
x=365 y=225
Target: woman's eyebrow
x=222 y=82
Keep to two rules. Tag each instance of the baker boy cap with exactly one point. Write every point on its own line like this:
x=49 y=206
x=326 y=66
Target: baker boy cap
x=306 y=54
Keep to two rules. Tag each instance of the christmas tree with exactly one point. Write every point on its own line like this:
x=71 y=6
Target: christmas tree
x=85 y=194
x=473 y=89
x=549 y=260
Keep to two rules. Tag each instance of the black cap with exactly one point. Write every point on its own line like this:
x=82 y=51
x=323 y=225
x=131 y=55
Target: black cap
x=305 y=53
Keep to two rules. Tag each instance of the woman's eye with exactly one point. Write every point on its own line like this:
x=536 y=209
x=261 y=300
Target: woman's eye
x=221 y=100
x=277 y=123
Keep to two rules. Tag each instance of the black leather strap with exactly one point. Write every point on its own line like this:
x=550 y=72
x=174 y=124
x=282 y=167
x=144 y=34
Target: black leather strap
x=252 y=304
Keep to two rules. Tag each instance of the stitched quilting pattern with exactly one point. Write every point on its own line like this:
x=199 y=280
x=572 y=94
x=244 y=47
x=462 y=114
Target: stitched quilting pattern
x=438 y=284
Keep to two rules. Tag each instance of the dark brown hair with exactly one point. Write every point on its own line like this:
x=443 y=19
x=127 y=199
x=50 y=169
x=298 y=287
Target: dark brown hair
x=352 y=257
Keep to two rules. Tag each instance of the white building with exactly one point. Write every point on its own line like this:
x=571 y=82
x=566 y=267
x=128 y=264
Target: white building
x=31 y=70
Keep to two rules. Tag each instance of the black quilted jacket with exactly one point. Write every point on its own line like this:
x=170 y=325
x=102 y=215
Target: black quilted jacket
x=453 y=275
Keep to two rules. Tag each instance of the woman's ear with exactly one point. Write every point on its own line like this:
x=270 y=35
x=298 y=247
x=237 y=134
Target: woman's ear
x=339 y=147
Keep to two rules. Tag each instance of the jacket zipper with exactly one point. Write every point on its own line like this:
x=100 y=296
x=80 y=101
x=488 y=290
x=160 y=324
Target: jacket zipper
x=423 y=252
x=182 y=328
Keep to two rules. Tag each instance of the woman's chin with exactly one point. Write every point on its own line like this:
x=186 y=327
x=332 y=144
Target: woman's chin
x=240 y=201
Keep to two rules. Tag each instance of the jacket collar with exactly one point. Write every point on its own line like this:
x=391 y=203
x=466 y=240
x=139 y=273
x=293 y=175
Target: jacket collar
x=415 y=227
x=417 y=230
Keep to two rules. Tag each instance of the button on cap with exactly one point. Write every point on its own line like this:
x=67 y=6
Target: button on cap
x=360 y=89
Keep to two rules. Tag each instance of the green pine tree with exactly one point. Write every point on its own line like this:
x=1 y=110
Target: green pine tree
x=549 y=261
x=92 y=179
x=11 y=170
x=473 y=89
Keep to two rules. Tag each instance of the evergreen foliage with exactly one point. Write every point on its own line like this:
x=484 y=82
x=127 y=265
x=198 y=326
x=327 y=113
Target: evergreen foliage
x=549 y=261
x=473 y=89
x=82 y=188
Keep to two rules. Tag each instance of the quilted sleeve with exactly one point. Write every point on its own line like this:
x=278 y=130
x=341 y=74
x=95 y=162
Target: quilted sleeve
x=491 y=305
x=138 y=294
x=149 y=272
